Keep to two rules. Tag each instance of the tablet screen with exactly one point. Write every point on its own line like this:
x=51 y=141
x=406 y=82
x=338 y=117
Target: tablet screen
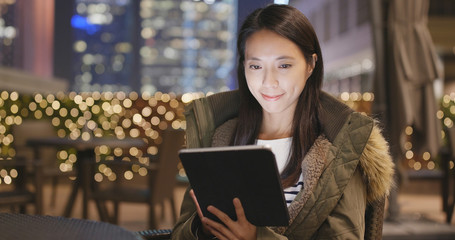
x=250 y=173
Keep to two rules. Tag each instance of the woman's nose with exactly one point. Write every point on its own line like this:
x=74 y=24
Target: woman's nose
x=270 y=80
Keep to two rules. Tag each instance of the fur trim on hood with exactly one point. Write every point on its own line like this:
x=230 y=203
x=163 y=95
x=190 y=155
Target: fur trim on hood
x=377 y=166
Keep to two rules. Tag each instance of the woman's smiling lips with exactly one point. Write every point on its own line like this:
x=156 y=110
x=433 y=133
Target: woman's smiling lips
x=271 y=97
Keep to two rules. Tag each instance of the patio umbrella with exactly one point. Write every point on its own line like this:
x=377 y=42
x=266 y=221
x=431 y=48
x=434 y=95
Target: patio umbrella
x=414 y=69
x=407 y=62
x=406 y=68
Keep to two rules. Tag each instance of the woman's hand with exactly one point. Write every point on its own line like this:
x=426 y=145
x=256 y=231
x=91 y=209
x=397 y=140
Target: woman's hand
x=240 y=229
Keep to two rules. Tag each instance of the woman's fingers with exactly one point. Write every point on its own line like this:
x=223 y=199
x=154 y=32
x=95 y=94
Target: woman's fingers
x=219 y=230
x=205 y=228
x=239 y=211
x=228 y=229
x=198 y=208
x=221 y=215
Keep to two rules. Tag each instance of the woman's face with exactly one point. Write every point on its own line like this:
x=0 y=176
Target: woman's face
x=275 y=71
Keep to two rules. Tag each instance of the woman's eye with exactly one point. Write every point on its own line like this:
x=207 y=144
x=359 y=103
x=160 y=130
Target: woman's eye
x=255 y=67
x=285 y=65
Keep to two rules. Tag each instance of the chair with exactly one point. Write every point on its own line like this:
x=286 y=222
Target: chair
x=374 y=220
x=204 y=115
x=160 y=182
x=15 y=226
x=447 y=181
x=30 y=129
x=25 y=186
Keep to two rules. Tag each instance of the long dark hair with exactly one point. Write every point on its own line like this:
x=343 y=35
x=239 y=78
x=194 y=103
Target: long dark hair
x=291 y=24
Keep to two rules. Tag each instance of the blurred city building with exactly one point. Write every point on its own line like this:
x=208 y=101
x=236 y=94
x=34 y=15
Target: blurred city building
x=124 y=45
x=148 y=45
x=26 y=47
x=344 y=31
x=440 y=23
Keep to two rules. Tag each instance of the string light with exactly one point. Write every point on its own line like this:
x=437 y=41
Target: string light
x=409 y=130
x=128 y=175
x=417 y=166
x=89 y=115
x=426 y=156
x=431 y=165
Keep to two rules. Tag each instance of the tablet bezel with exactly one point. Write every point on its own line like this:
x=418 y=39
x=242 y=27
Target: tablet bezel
x=218 y=174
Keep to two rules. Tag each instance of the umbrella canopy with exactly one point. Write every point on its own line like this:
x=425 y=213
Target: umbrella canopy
x=410 y=70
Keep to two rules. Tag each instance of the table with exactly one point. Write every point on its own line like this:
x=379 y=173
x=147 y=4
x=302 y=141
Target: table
x=85 y=154
x=28 y=227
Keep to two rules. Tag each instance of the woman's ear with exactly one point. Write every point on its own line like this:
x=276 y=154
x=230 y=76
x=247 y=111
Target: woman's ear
x=315 y=59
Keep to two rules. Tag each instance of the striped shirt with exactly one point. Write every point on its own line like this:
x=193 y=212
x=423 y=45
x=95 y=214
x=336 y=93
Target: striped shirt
x=281 y=148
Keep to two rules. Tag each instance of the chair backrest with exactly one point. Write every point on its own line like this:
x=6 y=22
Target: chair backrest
x=173 y=141
x=374 y=220
x=25 y=188
x=450 y=135
x=30 y=129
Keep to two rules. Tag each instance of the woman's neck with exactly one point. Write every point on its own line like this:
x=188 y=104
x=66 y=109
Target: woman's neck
x=275 y=126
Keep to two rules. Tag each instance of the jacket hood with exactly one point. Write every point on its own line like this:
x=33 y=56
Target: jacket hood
x=377 y=166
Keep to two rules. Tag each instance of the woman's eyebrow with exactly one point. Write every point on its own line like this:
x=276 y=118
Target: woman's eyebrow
x=278 y=58
x=284 y=57
x=253 y=58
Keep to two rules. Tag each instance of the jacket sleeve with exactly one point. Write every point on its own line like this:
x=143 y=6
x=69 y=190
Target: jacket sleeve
x=374 y=176
x=347 y=220
x=265 y=233
x=184 y=225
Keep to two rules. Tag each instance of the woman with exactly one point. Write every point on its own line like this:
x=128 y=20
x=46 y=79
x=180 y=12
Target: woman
x=333 y=161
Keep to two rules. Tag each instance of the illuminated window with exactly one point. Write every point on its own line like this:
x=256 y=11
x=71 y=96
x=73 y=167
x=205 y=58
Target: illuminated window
x=168 y=46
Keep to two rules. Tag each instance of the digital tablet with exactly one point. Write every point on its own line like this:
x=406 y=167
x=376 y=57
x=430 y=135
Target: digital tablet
x=250 y=173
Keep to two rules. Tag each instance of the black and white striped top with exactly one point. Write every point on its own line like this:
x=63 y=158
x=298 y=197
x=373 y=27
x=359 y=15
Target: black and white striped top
x=291 y=192
x=281 y=148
